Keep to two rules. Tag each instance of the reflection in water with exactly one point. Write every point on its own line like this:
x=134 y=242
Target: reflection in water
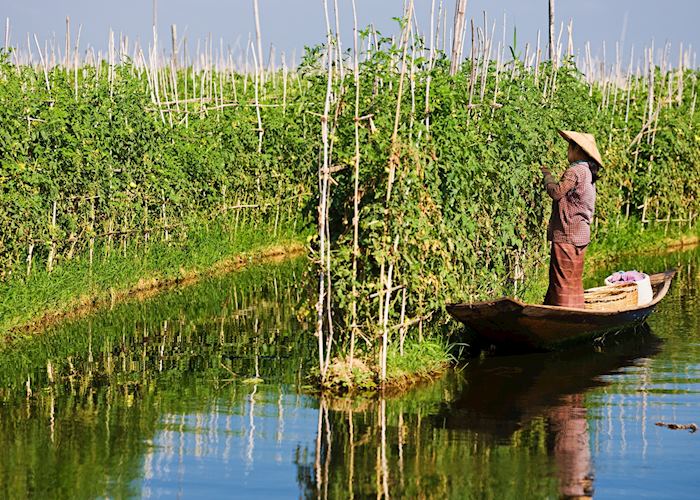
x=503 y=426
x=198 y=393
x=571 y=450
x=135 y=401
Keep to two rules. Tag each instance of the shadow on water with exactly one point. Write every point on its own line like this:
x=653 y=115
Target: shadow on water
x=505 y=393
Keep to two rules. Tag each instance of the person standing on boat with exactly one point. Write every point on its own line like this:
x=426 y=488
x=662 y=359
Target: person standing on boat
x=569 y=229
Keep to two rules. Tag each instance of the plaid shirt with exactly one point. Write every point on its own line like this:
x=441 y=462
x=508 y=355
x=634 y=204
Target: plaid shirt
x=573 y=205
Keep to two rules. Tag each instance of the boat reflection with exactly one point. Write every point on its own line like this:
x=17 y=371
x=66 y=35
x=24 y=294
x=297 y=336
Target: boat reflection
x=505 y=393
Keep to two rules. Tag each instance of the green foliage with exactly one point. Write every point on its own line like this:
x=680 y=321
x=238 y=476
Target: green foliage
x=467 y=207
x=123 y=168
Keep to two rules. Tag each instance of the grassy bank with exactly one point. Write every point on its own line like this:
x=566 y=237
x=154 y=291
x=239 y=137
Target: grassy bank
x=75 y=288
x=419 y=361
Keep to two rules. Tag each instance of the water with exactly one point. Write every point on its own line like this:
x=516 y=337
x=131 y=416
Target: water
x=198 y=392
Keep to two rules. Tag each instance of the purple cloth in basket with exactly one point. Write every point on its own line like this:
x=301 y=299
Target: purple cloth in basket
x=626 y=276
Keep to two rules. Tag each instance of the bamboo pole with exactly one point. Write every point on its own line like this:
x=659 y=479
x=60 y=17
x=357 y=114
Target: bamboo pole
x=629 y=87
x=91 y=244
x=66 y=55
x=43 y=65
x=385 y=319
x=495 y=90
x=402 y=319
x=431 y=51
x=284 y=84
x=472 y=76
x=110 y=76
x=29 y=257
x=412 y=85
x=393 y=161
x=356 y=191
x=258 y=37
x=538 y=53
x=397 y=117
x=256 y=85
x=552 y=49
x=486 y=59
x=339 y=49
x=436 y=41
x=458 y=35
x=323 y=201
x=52 y=251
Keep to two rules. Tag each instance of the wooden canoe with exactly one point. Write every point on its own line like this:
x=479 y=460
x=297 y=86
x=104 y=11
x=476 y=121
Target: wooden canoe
x=515 y=325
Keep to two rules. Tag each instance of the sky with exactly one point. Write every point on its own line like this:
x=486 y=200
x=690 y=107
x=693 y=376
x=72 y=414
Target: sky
x=290 y=25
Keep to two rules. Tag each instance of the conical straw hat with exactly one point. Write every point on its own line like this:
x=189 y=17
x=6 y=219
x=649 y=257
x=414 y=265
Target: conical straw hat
x=586 y=141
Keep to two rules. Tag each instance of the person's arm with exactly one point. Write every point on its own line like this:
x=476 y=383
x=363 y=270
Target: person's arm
x=557 y=190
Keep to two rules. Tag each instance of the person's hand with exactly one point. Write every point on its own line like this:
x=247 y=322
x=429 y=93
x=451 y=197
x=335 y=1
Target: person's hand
x=545 y=171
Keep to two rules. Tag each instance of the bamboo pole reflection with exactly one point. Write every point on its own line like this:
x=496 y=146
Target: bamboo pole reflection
x=317 y=458
x=327 y=462
x=250 y=446
x=279 y=435
x=400 y=439
x=52 y=420
x=384 y=468
x=351 y=466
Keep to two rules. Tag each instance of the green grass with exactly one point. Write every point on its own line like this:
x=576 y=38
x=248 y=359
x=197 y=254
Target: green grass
x=631 y=236
x=25 y=300
x=419 y=360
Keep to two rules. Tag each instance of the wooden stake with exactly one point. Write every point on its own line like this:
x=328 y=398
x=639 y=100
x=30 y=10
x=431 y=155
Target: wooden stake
x=52 y=251
x=29 y=257
x=92 y=231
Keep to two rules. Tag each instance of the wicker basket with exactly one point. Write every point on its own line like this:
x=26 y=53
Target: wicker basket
x=612 y=297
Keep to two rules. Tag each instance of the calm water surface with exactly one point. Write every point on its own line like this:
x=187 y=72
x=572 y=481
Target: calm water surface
x=198 y=393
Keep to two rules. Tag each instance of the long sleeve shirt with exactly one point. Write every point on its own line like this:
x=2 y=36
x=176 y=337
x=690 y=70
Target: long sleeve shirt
x=573 y=203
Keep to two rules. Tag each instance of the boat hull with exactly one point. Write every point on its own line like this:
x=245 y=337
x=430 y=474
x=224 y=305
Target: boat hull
x=511 y=323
